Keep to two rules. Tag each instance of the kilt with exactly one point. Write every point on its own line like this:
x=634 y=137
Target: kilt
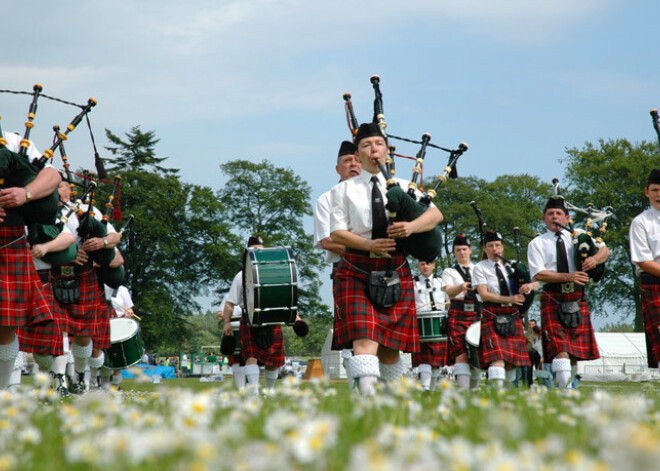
x=235 y=360
x=22 y=298
x=89 y=317
x=492 y=347
x=357 y=318
x=431 y=353
x=579 y=342
x=45 y=339
x=101 y=336
x=651 y=312
x=458 y=323
x=274 y=356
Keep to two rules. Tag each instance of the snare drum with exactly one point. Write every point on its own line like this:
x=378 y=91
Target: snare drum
x=432 y=326
x=270 y=286
x=472 y=340
x=126 y=347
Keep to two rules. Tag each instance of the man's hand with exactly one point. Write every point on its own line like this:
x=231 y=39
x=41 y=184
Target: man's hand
x=13 y=197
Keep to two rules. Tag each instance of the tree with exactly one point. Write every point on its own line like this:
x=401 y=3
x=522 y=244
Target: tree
x=613 y=174
x=177 y=244
x=622 y=326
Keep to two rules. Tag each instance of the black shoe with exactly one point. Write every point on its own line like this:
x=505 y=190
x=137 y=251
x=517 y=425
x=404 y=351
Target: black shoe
x=78 y=386
x=60 y=385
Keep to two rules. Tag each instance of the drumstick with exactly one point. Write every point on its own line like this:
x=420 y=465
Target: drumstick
x=126 y=309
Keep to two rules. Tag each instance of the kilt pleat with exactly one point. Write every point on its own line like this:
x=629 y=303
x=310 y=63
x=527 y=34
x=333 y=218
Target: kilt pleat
x=579 y=342
x=431 y=353
x=458 y=323
x=273 y=356
x=357 y=318
x=492 y=347
x=651 y=312
x=45 y=338
x=22 y=298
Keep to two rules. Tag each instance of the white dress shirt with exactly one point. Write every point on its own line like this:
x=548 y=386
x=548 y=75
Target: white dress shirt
x=542 y=252
x=423 y=294
x=484 y=274
x=451 y=277
x=645 y=237
x=322 y=225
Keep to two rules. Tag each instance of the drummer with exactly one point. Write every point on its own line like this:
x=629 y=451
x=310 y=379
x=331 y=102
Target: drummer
x=236 y=362
x=264 y=345
x=502 y=347
x=464 y=311
x=122 y=305
x=429 y=297
x=358 y=221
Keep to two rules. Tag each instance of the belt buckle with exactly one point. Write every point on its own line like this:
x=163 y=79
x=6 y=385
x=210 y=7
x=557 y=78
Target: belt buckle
x=468 y=307
x=567 y=288
x=67 y=271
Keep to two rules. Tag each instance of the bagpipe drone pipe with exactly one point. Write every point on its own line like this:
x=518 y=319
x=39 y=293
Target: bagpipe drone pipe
x=517 y=271
x=656 y=123
x=17 y=170
x=584 y=243
x=403 y=205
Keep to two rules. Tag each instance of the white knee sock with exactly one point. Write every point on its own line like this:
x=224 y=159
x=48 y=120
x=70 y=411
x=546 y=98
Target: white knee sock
x=510 y=375
x=346 y=355
x=238 y=372
x=94 y=365
x=271 y=376
x=252 y=377
x=561 y=367
x=424 y=371
x=497 y=375
x=45 y=362
x=367 y=369
x=116 y=379
x=81 y=356
x=475 y=377
x=59 y=365
x=391 y=372
x=462 y=374
x=435 y=376
x=8 y=354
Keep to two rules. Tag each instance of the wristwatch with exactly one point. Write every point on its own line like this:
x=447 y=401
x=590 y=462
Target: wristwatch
x=105 y=242
x=28 y=195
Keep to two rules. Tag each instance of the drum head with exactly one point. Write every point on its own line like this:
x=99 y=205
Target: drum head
x=473 y=334
x=122 y=328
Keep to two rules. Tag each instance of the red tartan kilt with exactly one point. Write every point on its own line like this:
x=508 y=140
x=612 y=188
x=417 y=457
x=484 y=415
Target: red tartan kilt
x=492 y=347
x=431 y=353
x=22 y=298
x=89 y=317
x=458 y=323
x=274 y=356
x=651 y=312
x=45 y=339
x=357 y=318
x=579 y=342
x=235 y=360
x=101 y=337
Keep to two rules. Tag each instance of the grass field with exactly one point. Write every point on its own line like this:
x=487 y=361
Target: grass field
x=185 y=424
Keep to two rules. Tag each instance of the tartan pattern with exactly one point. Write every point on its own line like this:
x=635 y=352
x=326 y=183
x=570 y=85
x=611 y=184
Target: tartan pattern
x=101 y=336
x=236 y=359
x=87 y=318
x=274 y=356
x=357 y=318
x=45 y=339
x=579 y=342
x=651 y=312
x=431 y=353
x=458 y=323
x=492 y=347
x=22 y=298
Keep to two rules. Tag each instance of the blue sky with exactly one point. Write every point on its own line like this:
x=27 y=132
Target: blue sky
x=518 y=80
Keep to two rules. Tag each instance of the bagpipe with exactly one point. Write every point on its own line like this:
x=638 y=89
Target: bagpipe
x=584 y=243
x=403 y=205
x=516 y=270
x=17 y=170
x=656 y=122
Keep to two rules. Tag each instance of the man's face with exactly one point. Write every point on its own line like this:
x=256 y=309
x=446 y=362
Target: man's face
x=348 y=166
x=653 y=194
x=426 y=268
x=553 y=215
x=462 y=254
x=371 y=149
x=64 y=191
x=493 y=249
x=532 y=324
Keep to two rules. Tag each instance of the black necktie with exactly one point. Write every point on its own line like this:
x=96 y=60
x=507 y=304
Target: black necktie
x=378 y=218
x=467 y=273
x=428 y=286
x=562 y=260
x=504 y=286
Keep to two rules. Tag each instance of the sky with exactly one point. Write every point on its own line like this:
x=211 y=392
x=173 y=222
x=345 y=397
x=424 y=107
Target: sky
x=519 y=81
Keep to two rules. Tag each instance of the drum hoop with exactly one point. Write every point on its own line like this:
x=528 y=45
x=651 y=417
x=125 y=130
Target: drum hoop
x=124 y=320
x=475 y=326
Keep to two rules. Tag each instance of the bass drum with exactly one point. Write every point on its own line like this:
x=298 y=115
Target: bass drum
x=432 y=326
x=472 y=340
x=270 y=286
x=126 y=347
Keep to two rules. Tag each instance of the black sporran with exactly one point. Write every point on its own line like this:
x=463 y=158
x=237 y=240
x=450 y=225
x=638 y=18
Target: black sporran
x=444 y=326
x=384 y=288
x=67 y=290
x=505 y=325
x=570 y=314
x=263 y=336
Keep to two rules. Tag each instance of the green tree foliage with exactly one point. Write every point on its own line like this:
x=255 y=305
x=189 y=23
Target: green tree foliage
x=178 y=243
x=622 y=326
x=613 y=173
x=260 y=198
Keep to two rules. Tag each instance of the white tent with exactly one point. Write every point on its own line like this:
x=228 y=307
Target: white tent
x=622 y=358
